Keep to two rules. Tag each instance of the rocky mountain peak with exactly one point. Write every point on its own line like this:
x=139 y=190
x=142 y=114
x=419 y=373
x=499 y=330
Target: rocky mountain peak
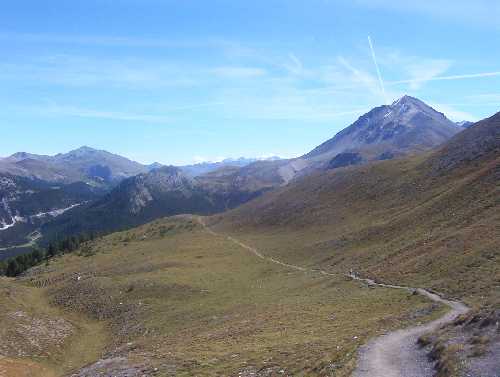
x=406 y=107
x=405 y=126
x=80 y=152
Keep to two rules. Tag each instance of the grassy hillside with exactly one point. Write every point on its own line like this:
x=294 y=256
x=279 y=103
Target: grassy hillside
x=174 y=298
x=430 y=221
x=177 y=298
x=39 y=339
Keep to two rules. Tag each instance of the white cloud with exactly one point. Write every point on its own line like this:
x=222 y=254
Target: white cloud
x=239 y=72
x=294 y=65
x=78 y=112
x=454 y=114
x=201 y=160
x=425 y=71
x=361 y=77
x=128 y=41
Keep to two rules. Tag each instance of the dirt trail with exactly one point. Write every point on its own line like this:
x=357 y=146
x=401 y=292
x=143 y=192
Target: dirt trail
x=395 y=354
x=258 y=254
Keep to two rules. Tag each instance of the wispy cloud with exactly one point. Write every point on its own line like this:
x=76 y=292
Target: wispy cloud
x=239 y=72
x=453 y=113
x=251 y=85
x=294 y=64
x=425 y=71
x=74 y=111
x=361 y=77
x=118 y=41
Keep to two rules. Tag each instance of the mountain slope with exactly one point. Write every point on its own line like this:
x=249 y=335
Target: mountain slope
x=479 y=142
x=396 y=220
x=26 y=204
x=406 y=126
x=137 y=200
x=83 y=164
x=163 y=192
x=202 y=168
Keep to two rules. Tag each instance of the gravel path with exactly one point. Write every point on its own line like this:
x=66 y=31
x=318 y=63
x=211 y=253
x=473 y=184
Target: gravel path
x=395 y=354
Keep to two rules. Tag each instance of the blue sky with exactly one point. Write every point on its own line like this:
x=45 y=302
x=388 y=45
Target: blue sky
x=187 y=80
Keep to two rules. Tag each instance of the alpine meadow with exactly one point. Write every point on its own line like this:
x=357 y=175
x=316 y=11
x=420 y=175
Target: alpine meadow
x=250 y=189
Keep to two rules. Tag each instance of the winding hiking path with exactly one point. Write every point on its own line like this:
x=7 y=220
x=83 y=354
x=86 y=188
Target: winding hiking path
x=395 y=354
x=257 y=253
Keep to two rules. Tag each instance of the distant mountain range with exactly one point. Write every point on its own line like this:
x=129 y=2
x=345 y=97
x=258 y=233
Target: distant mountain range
x=85 y=164
x=201 y=168
x=98 y=167
x=138 y=193
x=161 y=192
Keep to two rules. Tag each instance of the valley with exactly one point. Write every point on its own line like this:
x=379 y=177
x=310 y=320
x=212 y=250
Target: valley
x=258 y=188
x=190 y=302
x=282 y=267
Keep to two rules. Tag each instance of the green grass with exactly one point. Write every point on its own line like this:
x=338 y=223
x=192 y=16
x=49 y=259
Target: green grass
x=192 y=303
x=39 y=339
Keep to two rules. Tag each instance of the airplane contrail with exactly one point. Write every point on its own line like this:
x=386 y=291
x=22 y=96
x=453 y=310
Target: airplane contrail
x=378 y=70
x=443 y=78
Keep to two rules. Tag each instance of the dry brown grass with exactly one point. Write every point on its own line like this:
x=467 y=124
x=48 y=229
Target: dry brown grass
x=191 y=303
x=391 y=221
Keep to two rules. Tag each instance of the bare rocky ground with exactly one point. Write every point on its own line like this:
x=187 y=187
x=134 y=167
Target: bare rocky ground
x=33 y=334
x=469 y=346
x=115 y=367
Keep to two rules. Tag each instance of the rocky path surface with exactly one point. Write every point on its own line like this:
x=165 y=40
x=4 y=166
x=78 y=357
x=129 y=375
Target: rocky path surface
x=395 y=354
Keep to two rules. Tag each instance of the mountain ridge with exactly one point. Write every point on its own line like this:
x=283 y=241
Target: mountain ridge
x=384 y=133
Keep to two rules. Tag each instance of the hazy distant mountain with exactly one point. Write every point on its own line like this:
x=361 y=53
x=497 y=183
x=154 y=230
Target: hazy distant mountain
x=83 y=164
x=154 y=165
x=201 y=168
x=464 y=124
